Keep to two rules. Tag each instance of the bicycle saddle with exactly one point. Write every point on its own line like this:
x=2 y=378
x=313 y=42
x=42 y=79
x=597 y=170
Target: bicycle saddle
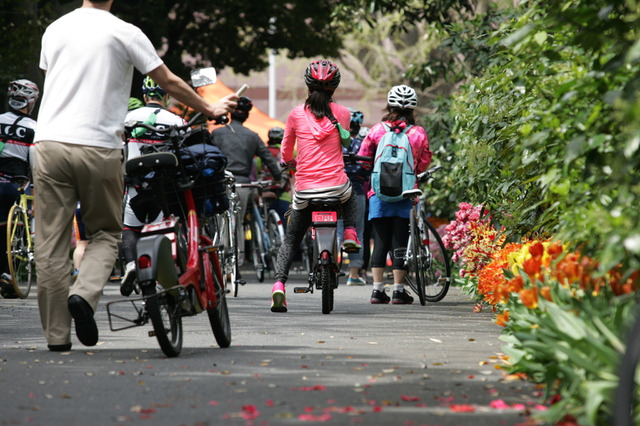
x=141 y=166
x=326 y=203
x=412 y=192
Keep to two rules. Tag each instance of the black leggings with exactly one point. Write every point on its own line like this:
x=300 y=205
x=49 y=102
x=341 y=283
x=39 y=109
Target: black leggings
x=299 y=222
x=389 y=233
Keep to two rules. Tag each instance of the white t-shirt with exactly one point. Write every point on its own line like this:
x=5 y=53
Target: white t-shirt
x=89 y=56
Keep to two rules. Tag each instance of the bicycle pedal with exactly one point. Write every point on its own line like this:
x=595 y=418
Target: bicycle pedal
x=301 y=290
x=342 y=274
x=241 y=282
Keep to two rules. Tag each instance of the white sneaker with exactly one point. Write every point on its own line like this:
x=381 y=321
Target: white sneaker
x=127 y=282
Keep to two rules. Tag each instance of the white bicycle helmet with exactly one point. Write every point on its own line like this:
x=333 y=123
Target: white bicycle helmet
x=403 y=97
x=22 y=93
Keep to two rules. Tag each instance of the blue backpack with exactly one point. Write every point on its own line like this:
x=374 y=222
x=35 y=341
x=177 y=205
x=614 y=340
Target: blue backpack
x=393 y=169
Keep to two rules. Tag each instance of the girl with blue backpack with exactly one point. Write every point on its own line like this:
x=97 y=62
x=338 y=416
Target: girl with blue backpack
x=400 y=149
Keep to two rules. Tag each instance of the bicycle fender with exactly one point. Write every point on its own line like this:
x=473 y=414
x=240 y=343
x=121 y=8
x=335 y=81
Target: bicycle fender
x=162 y=269
x=326 y=240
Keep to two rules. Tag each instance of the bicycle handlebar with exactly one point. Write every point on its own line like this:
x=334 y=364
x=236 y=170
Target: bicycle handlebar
x=428 y=174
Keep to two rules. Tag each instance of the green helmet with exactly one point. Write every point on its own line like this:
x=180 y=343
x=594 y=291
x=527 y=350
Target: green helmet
x=151 y=89
x=135 y=103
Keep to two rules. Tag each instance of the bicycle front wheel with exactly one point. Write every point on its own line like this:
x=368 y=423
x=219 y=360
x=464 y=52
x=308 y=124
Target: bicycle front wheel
x=416 y=257
x=20 y=251
x=163 y=309
x=219 y=315
x=438 y=269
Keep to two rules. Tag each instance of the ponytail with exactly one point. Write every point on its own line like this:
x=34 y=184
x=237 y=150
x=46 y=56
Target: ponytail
x=399 y=114
x=318 y=103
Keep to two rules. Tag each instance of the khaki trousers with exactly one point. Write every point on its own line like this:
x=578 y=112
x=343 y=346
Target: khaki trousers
x=63 y=175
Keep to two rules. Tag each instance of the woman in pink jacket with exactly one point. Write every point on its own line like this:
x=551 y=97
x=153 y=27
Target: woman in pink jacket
x=319 y=167
x=390 y=221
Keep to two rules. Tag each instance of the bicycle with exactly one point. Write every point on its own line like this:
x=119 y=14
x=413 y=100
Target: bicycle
x=221 y=227
x=20 y=245
x=625 y=410
x=325 y=272
x=178 y=267
x=265 y=225
x=426 y=259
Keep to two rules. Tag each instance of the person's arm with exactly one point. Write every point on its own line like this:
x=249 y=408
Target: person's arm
x=180 y=90
x=288 y=140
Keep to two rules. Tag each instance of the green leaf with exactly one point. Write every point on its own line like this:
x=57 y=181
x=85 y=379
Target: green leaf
x=565 y=322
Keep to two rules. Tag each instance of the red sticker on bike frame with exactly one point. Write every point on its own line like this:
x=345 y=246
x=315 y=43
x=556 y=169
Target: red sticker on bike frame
x=324 y=216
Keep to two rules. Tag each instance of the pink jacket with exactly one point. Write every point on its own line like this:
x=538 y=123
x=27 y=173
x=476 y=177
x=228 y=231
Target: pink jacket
x=319 y=151
x=417 y=138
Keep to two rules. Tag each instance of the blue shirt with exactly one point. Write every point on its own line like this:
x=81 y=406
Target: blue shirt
x=379 y=208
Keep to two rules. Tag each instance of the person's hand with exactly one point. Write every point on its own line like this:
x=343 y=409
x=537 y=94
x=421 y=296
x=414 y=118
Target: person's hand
x=224 y=106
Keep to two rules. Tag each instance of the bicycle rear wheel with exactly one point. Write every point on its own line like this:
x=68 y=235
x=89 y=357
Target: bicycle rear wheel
x=416 y=277
x=276 y=237
x=19 y=254
x=327 y=289
x=438 y=269
x=257 y=251
x=167 y=324
x=219 y=315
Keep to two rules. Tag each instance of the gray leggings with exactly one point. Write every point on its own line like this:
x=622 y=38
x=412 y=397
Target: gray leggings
x=299 y=222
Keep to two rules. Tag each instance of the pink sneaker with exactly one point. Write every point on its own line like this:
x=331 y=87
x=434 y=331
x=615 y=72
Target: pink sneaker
x=278 y=301
x=350 y=239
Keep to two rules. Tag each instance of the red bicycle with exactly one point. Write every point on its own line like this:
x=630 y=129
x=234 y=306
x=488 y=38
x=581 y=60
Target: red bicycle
x=179 y=272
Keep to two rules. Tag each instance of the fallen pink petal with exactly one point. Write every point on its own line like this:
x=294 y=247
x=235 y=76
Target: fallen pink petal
x=462 y=408
x=314 y=418
x=499 y=404
x=410 y=398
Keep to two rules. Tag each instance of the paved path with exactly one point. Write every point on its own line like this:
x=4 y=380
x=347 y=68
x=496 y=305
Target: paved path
x=362 y=364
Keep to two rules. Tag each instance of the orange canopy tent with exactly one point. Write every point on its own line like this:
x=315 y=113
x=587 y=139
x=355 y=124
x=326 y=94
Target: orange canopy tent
x=258 y=121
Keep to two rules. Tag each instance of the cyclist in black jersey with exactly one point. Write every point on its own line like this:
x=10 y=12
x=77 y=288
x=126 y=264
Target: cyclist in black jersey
x=17 y=129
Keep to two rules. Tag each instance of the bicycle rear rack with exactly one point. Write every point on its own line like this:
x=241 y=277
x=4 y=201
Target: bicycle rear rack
x=184 y=308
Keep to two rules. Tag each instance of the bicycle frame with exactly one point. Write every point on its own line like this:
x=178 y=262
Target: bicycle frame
x=177 y=277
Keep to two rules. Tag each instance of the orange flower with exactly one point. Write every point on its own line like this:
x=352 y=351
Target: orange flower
x=503 y=318
x=536 y=249
x=532 y=267
x=554 y=249
x=546 y=293
x=515 y=284
x=529 y=297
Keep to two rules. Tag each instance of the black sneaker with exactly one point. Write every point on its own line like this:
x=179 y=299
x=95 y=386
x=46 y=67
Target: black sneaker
x=6 y=289
x=379 y=297
x=401 y=298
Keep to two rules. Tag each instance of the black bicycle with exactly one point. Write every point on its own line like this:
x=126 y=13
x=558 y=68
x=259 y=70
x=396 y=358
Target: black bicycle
x=426 y=259
x=625 y=412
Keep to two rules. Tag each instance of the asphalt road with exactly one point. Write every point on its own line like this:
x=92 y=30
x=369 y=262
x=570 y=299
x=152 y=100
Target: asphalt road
x=361 y=364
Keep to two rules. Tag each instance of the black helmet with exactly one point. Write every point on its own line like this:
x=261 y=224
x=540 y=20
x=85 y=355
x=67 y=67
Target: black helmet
x=275 y=135
x=322 y=75
x=242 y=110
x=244 y=104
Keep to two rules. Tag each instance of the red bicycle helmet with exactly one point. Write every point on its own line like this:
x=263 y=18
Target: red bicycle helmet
x=322 y=75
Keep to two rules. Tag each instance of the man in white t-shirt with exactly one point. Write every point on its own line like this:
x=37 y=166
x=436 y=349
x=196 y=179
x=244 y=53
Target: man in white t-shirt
x=88 y=56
